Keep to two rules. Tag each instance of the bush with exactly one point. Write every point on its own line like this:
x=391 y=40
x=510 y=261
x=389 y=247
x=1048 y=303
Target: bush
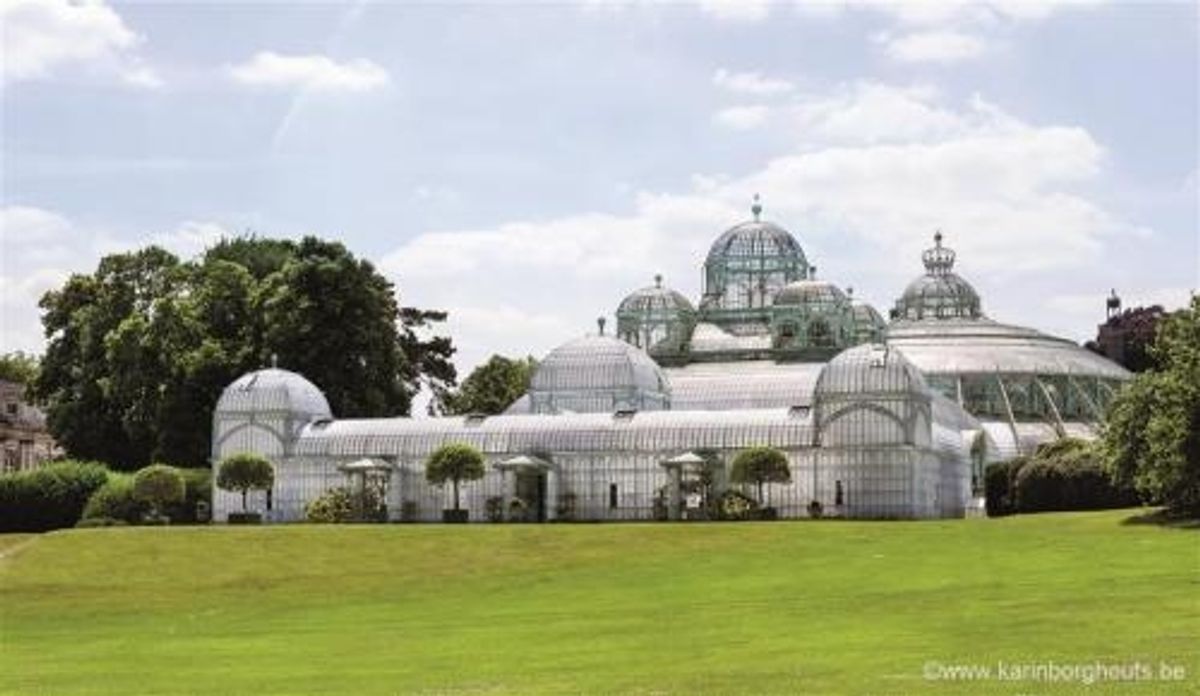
x=197 y=496
x=999 y=487
x=1068 y=475
x=159 y=485
x=333 y=506
x=493 y=509
x=115 y=501
x=99 y=522
x=52 y=497
x=738 y=506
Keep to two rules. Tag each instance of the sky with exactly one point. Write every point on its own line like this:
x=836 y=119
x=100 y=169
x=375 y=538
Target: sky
x=524 y=166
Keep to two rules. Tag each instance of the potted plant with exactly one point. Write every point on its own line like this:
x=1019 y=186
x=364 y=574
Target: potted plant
x=454 y=462
x=244 y=473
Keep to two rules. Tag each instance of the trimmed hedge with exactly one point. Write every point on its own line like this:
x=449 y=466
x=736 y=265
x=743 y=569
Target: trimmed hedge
x=1067 y=474
x=51 y=497
x=115 y=501
x=999 y=487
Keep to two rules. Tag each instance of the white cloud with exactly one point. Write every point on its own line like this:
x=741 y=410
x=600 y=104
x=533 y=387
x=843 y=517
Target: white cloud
x=934 y=47
x=979 y=12
x=41 y=248
x=42 y=37
x=736 y=10
x=877 y=170
x=742 y=117
x=313 y=72
x=750 y=83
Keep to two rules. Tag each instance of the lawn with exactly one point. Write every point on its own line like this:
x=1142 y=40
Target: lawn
x=788 y=607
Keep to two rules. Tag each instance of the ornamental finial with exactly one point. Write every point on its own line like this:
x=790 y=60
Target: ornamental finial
x=756 y=207
x=937 y=239
x=939 y=260
x=658 y=280
x=600 y=323
x=274 y=361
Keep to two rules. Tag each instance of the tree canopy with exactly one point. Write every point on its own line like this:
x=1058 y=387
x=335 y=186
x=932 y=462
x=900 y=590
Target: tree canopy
x=1152 y=431
x=18 y=367
x=759 y=465
x=489 y=389
x=454 y=462
x=139 y=351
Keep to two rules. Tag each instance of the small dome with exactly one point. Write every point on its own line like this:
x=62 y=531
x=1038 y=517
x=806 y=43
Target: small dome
x=810 y=292
x=868 y=371
x=867 y=316
x=940 y=293
x=756 y=238
x=274 y=390
x=655 y=300
x=596 y=374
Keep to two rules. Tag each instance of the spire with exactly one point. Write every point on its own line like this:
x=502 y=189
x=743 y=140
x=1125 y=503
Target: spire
x=939 y=260
x=850 y=291
x=600 y=323
x=756 y=208
x=658 y=280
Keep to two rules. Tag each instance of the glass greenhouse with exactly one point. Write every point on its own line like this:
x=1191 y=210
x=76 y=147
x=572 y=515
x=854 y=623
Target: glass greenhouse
x=875 y=419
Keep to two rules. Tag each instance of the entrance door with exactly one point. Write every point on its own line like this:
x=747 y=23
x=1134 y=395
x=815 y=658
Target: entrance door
x=531 y=488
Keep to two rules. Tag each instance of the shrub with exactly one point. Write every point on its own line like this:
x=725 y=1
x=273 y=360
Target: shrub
x=244 y=473
x=159 y=485
x=738 y=506
x=999 y=487
x=493 y=509
x=114 y=501
x=51 y=497
x=197 y=496
x=340 y=505
x=1068 y=474
x=100 y=522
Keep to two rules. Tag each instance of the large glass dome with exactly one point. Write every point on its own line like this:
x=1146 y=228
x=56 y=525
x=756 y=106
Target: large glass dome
x=273 y=390
x=940 y=293
x=597 y=374
x=749 y=263
x=656 y=319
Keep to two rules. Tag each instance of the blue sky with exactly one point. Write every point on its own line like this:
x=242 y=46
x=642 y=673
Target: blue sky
x=526 y=165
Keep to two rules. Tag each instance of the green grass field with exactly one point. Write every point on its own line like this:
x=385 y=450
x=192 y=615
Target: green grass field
x=787 y=607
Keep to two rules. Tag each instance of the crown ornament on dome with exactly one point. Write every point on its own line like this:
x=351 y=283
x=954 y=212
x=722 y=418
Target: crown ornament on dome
x=756 y=208
x=939 y=260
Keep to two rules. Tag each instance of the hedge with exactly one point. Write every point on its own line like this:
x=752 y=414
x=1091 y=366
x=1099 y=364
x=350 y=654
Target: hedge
x=115 y=499
x=50 y=497
x=1067 y=474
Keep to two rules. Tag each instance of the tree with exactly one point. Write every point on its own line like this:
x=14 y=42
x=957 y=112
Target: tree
x=244 y=473
x=1152 y=430
x=1126 y=338
x=335 y=319
x=489 y=389
x=158 y=485
x=18 y=367
x=455 y=462
x=759 y=465
x=139 y=351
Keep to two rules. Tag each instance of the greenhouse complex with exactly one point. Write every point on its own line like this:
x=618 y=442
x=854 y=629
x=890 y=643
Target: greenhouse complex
x=877 y=419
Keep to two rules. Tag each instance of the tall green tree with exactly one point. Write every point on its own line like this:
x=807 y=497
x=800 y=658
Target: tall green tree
x=489 y=389
x=140 y=350
x=19 y=367
x=1152 y=430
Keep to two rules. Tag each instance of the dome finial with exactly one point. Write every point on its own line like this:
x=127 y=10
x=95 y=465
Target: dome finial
x=939 y=260
x=658 y=280
x=850 y=291
x=937 y=239
x=756 y=207
x=600 y=323
x=274 y=361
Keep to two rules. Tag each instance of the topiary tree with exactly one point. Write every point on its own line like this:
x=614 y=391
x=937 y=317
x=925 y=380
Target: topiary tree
x=158 y=485
x=759 y=465
x=454 y=462
x=244 y=473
